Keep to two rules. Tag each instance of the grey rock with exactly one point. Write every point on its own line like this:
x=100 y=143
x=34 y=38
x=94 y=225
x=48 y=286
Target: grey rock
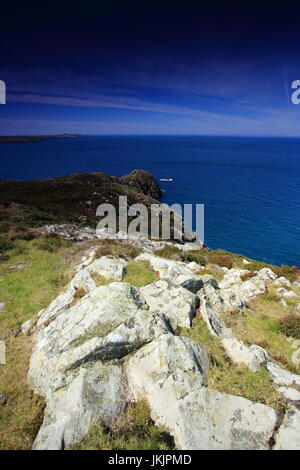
x=232 y=277
x=95 y=394
x=286 y=293
x=77 y=233
x=291 y=395
x=253 y=357
x=104 y=266
x=231 y=298
x=27 y=326
x=95 y=315
x=288 y=435
x=175 y=273
x=2 y=306
x=251 y=288
x=197 y=417
x=177 y=303
x=109 y=267
x=282 y=281
x=214 y=321
x=266 y=274
x=195 y=267
x=282 y=377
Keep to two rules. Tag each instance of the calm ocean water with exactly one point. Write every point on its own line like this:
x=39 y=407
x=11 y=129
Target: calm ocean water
x=250 y=186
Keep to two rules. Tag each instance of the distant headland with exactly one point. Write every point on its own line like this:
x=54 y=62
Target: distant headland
x=13 y=139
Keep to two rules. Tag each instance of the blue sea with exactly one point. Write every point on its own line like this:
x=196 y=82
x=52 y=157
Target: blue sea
x=250 y=186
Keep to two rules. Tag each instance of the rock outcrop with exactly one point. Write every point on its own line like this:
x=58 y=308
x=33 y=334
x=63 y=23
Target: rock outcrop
x=115 y=344
x=170 y=374
x=143 y=182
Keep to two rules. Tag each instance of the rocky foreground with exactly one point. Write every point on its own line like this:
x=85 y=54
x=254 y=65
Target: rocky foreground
x=114 y=344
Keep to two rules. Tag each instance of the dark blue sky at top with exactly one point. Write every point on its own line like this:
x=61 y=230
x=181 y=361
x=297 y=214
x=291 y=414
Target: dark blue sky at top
x=121 y=69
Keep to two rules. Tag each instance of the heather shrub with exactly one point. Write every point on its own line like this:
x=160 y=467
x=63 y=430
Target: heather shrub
x=290 y=272
x=222 y=260
x=50 y=243
x=290 y=326
x=169 y=252
x=247 y=276
x=113 y=248
x=5 y=243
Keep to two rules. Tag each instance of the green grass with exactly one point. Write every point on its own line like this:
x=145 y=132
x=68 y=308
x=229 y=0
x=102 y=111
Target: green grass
x=101 y=280
x=25 y=292
x=134 y=431
x=139 y=273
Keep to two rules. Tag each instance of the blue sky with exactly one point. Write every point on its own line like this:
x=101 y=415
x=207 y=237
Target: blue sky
x=150 y=71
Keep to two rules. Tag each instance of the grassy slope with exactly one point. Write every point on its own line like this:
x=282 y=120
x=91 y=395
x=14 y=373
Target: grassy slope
x=70 y=198
x=24 y=291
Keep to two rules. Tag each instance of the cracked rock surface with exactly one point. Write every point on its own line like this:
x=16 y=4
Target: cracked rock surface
x=116 y=344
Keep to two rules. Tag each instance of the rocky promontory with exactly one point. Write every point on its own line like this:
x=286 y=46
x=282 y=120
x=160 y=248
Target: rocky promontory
x=73 y=198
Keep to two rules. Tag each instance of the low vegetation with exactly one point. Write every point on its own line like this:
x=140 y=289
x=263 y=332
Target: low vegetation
x=227 y=377
x=259 y=325
x=290 y=326
x=134 y=430
x=222 y=260
x=29 y=280
x=113 y=248
x=101 y=280
x=140 y=273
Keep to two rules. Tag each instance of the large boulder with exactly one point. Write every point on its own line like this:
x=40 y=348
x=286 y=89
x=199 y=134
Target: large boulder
x=282 y=281
x=107 y=323
x=231 y=298
x=177 y=303
x=105 y=266
x=92 y=394
x=285 y=293
x=232 y=277
x=251 y=288
x=170 y=374
x=266 y=274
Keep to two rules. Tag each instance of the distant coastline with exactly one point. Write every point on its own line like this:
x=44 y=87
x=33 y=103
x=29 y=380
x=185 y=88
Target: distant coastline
x=34 y=138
